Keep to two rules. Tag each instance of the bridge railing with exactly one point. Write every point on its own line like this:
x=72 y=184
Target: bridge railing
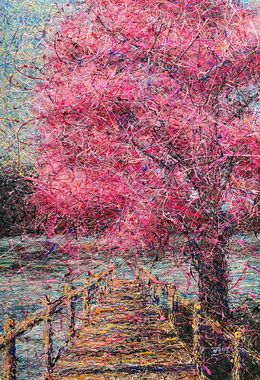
x=100 y=283
x=197 y=322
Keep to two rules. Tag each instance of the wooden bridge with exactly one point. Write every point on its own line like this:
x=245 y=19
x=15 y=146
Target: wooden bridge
x=127 y=333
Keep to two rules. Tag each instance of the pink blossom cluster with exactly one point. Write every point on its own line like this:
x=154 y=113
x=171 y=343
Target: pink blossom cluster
x=147 y=123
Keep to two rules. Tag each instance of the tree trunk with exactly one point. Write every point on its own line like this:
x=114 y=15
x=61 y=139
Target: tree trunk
x=213 y=285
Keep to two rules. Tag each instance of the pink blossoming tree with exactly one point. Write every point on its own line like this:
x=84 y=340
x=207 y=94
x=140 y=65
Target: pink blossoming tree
x=148 y=134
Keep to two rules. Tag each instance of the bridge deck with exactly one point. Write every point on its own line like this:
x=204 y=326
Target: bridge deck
x=127 y=338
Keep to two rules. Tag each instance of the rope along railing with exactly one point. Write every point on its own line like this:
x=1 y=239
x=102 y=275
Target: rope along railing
x=197 y=322
x=96 y=286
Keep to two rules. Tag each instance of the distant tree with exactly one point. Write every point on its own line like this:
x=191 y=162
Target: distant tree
x=148 y=130
x=15 y=215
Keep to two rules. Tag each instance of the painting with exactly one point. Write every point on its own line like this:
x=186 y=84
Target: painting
x=129 y=193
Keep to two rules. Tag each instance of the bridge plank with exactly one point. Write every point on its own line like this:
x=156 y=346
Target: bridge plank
x=128 y=338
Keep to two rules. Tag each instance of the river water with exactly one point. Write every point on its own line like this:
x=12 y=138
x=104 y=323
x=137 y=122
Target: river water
x=32 y=268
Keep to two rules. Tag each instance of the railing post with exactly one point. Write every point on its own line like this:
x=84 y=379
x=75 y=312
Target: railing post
x=196 y=334
x=106 y=287
x=9 y=359
x=171 y=306
x=47 y=338
x=237 y=362
x=99 y=290
x=112 y=277
x=176 y=305
x=70 y=312
x=139 y=277
x=137 y=274
x=85 y=302
x=142 y=281
x=157 y=293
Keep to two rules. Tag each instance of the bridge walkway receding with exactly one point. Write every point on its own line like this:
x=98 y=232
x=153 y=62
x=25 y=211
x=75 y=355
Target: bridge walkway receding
x=125 y=336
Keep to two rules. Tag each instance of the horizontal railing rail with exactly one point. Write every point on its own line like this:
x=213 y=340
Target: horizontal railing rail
x=174 y=298
x=13 y=330
x=97 y=285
